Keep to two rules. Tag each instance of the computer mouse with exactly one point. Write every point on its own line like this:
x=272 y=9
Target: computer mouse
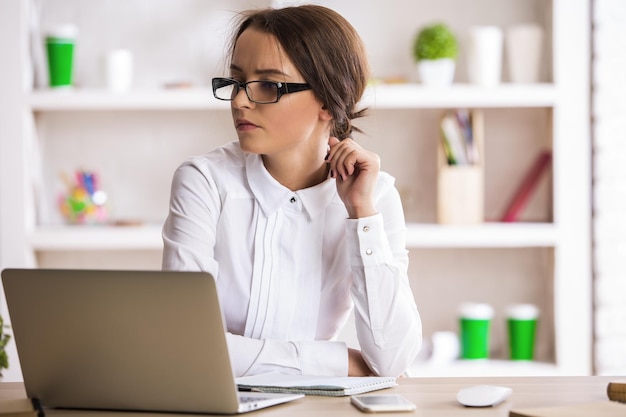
x=483 y=395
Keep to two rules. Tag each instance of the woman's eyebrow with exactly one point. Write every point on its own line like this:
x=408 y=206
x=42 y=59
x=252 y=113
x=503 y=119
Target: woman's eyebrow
x=261 y=71
x=270 y=71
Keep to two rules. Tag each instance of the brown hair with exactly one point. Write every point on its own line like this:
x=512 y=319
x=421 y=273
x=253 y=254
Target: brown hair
x=327 y=51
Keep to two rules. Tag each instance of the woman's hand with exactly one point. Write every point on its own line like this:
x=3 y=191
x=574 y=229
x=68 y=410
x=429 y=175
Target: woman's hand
x=357 y=365
x=356 y=171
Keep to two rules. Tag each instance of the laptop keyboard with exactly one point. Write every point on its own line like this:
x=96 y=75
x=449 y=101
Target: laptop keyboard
x=244 y=399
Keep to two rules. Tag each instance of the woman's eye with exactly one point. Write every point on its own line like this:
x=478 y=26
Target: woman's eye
x=267 y=85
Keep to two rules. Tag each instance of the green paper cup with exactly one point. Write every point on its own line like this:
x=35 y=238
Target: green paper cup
x=60 y=52
x=522 y=327
x=475 y=321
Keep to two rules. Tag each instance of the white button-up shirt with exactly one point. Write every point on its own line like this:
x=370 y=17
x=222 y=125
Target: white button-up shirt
x=290 y=266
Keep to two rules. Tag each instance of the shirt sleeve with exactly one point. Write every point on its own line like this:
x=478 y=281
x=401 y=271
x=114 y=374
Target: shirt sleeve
x=315 y=357
x=190 y=228
x=388 y=324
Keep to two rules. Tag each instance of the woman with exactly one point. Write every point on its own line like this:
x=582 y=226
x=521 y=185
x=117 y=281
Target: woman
x=295 y=220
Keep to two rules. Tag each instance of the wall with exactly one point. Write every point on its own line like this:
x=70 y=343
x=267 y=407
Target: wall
x=609 y=125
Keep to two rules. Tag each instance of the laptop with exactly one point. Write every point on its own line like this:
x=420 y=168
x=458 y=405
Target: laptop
x=125 y=340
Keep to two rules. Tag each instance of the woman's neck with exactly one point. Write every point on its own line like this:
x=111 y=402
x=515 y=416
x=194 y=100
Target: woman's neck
x=297 y=174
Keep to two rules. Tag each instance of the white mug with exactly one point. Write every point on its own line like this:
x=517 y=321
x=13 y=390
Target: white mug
x=119 y=70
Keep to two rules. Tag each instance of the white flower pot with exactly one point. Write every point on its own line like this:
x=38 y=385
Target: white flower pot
x=436 y=72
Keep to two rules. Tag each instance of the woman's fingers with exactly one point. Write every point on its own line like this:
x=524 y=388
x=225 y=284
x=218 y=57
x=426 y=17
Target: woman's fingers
x=343 y=157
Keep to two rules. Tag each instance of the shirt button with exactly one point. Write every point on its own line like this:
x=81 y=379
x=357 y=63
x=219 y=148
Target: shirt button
x=369 y=251
x=292 y=200
x=366 y=229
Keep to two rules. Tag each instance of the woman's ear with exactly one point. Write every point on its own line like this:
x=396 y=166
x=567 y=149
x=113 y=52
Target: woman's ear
x=325 y=114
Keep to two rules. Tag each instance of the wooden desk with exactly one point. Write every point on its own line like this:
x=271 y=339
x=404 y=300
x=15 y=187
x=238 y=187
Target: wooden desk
x=433 y=396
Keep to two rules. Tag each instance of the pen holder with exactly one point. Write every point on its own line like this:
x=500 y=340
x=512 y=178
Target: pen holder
x=460 y=194
x=460 y=179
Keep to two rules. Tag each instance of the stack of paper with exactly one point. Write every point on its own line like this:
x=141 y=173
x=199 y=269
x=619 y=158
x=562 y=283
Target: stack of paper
x=313 y=385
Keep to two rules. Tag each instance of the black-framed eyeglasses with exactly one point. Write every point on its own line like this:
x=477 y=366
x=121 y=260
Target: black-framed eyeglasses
x=261 y=92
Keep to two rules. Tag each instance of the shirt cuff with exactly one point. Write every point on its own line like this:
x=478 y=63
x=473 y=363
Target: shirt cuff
x=327 y=358
x=367 y=241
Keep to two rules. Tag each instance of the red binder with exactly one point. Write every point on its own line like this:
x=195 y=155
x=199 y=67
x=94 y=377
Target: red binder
x=526 y=188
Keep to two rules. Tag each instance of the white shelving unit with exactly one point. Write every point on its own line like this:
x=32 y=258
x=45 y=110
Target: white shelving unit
x=489 y=235
x=90 y=100
x=545 y=260
x=146 y=237
x=383 y=96
x=98 y=238
x=485 y=368
x=416 y=96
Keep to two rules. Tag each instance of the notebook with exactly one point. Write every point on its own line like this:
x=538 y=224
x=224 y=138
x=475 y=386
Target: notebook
x=125 y=340
x=314 y=385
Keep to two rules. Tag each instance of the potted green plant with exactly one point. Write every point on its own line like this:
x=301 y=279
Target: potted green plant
x=4 y=339
x=435 y=50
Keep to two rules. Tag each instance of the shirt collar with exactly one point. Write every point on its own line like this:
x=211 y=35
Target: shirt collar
x=271 y=195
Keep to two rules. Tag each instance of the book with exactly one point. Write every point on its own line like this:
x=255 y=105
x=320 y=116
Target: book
x=597 y=409
x=454 y=142
x=464 y=120
x=313 y=385
x=527 y=186
x=458 y=142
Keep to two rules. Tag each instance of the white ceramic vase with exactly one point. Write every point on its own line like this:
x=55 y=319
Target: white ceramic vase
x=436 y=72
x=484 y=55
x=524 y=44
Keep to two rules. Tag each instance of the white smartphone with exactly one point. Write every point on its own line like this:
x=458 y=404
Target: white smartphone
x=378 y=403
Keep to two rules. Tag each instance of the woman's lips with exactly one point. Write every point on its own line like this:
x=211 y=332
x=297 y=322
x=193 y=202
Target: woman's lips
x=244 y=125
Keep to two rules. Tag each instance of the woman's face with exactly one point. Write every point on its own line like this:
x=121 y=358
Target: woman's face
x=296 y=123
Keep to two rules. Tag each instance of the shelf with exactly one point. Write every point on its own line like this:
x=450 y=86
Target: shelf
x=407 y=96
x=182 y=99
x=484 y=367
x=58 y=238
x=380 y=96
x=79 y=238
x=421 y=235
